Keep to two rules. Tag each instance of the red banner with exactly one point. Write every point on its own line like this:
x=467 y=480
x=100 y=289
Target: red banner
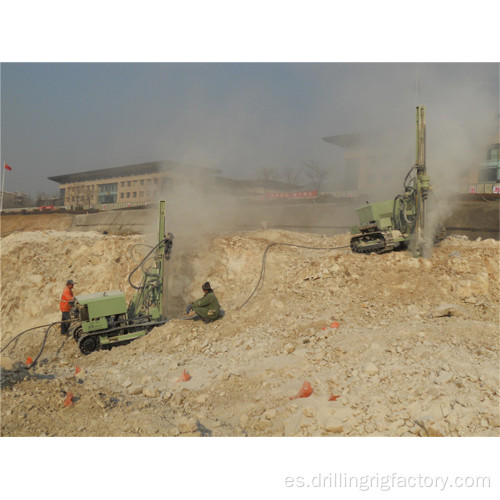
x=7 y=166
x=299 y=194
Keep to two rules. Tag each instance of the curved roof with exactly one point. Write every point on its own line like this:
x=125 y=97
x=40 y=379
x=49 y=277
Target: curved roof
x=127 y=170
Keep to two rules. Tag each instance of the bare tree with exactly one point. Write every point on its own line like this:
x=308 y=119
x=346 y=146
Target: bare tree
x=316 y=173
x=291 y=175
x=268 y=173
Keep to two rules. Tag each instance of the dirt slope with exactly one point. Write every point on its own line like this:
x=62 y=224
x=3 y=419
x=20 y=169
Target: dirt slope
x=415 y=351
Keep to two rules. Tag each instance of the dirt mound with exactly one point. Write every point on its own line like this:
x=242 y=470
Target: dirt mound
x=409 y=346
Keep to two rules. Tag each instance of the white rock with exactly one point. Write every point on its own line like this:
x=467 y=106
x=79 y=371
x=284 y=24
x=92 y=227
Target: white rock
x=443 y=378
x=135 y=389
x=187 y=424
x=334 y=425
x=371 y=369
x=151 y=392
x=270 y=414
x=309 y=411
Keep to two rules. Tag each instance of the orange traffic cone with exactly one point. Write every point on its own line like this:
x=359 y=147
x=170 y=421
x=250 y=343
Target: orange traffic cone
x=184 y=377
x=305 y=391
x=69 y=399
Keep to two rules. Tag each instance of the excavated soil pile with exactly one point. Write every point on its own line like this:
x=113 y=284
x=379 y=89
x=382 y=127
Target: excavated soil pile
x=390 y=345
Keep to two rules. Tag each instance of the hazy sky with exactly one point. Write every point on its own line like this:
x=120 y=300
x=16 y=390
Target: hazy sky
x=63 y=118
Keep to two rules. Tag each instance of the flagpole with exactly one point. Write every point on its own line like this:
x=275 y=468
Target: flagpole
x=3 y=182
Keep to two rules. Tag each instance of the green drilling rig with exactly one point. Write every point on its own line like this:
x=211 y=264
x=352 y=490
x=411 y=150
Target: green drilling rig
x=103 y=319
x=400 y=223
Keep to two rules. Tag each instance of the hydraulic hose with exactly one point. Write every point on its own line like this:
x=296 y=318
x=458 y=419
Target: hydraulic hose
x=263 y=268
x=49 y=326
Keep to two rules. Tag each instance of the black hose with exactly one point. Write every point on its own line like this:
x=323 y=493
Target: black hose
x=141 y=264
x=263 y=268
x=49 y=325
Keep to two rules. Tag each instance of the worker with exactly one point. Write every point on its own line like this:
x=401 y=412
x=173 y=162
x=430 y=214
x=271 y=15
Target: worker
x=207 y=308
x=67 y=300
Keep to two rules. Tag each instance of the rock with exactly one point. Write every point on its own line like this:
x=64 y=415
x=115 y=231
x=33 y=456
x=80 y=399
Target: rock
x=187 y=424
x=443 y=378
x=127 y=383
x=243 y=420
x=6 y=363
x=309 y=411
x=201 y=399
x=151 y=392
x=370 y=369
x=167 y=395
x=334 y=425
x=135 y=389
x=289 y=348
x=448 y=310
x=494 y=420
x=270 y=414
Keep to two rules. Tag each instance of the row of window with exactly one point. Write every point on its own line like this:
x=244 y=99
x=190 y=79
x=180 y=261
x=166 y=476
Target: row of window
x=133 y=194
x=141 y=182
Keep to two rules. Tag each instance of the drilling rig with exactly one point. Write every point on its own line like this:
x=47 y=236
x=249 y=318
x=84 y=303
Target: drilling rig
x=400 y=223
x=103 y=319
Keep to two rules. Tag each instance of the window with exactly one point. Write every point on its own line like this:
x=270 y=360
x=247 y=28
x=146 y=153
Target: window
x=122 y=183
x=135 y=183
x=108 y=193
x=128 y=195
x=141 y=194
x=135 y=194
x=128 y=183
x=142 y=182
x=148 y=182
x=122 y=195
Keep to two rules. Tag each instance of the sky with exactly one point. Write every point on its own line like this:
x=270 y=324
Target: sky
x=60 y=118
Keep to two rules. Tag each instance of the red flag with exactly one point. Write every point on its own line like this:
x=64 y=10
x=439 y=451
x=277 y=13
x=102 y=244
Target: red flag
x=7 y=166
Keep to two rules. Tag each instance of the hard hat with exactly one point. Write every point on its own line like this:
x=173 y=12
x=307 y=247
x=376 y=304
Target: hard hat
x=70 y=282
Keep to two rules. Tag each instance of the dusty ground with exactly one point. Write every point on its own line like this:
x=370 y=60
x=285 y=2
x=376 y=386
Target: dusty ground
x=415 y=352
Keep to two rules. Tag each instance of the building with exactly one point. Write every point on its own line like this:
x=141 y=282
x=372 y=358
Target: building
x=130 y=185
x=138 y=185
x=485 y=178
x=15 y=200
x=372 y=159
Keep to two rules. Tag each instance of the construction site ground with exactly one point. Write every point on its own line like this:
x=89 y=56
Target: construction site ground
x=391 y=345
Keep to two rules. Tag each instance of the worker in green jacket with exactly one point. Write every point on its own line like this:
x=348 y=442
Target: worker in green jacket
x=207 y=308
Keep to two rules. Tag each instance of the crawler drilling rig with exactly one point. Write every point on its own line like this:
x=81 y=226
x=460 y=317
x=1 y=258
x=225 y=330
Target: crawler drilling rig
x=103 y=319
x=400 y=223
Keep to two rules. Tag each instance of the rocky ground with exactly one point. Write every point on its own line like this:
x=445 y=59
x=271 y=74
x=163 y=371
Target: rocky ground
x=391 y=345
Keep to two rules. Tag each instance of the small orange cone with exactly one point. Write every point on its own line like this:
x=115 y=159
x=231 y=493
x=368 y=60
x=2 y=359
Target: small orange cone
x=334 y=325
x=184 y=377
x=333 y=398
x=69 y=399
x=305 y=391
x=77 y=370
x=29 y=361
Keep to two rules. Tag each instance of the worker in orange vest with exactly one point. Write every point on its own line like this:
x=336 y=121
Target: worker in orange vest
x=67 y=300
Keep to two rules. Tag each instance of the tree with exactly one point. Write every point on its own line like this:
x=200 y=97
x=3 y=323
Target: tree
x=315 y=173
x=291 y=175
x=268 y=173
